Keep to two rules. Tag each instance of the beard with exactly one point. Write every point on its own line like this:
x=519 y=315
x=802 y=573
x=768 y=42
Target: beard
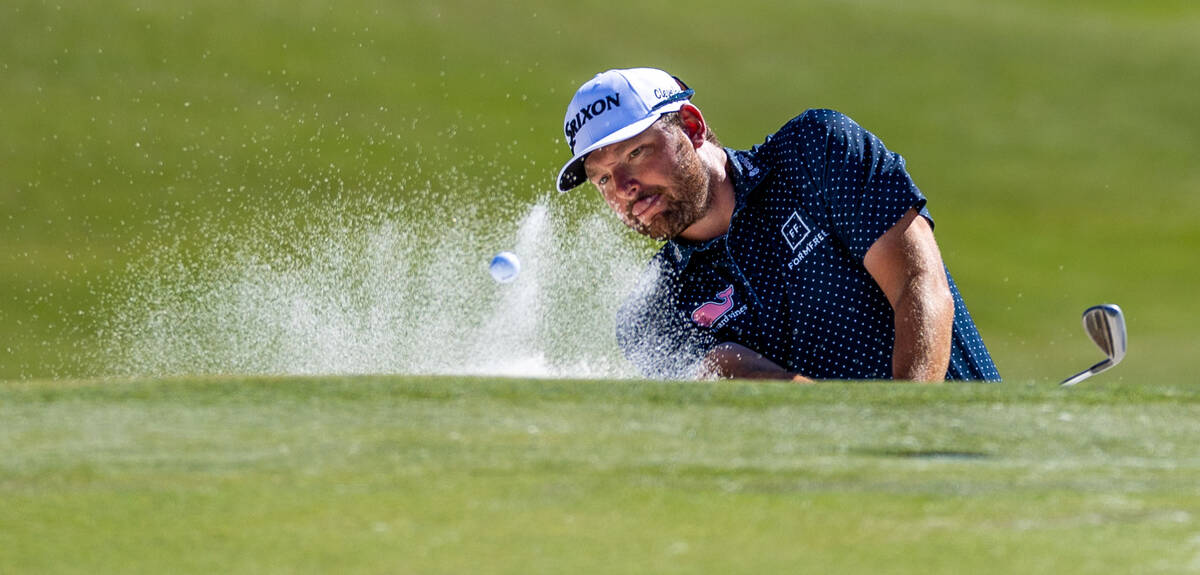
x=686 y=200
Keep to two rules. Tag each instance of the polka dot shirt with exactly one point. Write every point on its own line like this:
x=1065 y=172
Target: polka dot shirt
x=787 y=280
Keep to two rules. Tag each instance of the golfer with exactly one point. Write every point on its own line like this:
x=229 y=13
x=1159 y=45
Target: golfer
x=809 y=256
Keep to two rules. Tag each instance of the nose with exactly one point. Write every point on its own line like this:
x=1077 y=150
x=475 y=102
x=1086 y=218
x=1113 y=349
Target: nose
x=627 y=186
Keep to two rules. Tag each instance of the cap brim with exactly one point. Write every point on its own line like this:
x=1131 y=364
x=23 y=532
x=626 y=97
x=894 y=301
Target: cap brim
x=573 y=174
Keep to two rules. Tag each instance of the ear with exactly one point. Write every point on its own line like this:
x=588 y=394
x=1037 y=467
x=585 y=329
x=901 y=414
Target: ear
x=693 y=124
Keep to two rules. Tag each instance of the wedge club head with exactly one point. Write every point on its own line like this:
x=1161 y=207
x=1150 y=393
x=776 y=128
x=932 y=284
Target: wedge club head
x=1105 y=324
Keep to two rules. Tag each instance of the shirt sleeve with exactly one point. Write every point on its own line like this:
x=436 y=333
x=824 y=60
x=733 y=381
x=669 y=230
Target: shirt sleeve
x=865 y=187
x=655 y=336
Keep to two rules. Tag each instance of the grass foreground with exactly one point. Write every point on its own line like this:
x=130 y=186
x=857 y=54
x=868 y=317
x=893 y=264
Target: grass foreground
x=468 y=475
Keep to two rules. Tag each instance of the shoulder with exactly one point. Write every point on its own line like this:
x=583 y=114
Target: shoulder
x=818 y=123
x=809 y=135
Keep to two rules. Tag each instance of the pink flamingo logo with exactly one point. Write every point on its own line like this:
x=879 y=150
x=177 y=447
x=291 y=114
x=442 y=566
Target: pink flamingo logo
x=710 y=312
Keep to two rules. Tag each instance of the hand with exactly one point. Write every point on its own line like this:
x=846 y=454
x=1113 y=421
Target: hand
x=732 y=360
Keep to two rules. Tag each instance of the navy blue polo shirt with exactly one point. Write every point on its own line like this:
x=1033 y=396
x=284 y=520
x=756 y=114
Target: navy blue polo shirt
x=787 y=280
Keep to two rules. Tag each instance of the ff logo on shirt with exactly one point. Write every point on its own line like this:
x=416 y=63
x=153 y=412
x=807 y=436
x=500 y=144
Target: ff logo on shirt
x=795 y=231
x=800 y=238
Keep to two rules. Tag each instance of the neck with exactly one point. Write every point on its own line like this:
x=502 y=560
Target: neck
x=715 y=221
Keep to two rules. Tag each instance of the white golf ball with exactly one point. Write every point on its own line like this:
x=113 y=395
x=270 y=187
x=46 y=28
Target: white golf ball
x=504 y=267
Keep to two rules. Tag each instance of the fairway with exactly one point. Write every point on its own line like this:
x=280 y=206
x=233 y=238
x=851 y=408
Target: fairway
x=456 y=475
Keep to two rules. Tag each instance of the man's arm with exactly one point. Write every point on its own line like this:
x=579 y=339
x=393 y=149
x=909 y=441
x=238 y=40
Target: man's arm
x=731 y=360
x=907 y=265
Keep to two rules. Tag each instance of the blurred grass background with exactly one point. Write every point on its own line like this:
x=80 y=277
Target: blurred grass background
x=1057 y=141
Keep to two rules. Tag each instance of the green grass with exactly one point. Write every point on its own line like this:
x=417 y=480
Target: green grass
x=452 y=475
x=1055 y=140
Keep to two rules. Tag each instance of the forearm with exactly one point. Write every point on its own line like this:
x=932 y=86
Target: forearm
x=731 y=360
x=924 y=321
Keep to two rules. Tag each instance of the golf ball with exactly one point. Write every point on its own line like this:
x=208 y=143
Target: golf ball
x=504 y=267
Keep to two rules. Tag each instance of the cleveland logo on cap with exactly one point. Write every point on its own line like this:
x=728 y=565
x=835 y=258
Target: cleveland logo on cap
x=587 y=113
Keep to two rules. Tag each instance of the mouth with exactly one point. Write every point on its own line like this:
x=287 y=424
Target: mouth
x=646 y=206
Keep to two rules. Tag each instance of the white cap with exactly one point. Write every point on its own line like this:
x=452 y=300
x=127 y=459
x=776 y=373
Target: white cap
x=612 y=107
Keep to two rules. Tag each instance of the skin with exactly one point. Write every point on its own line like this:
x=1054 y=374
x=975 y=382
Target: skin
x=664 y=172
x=907 y=265
x=668 y=182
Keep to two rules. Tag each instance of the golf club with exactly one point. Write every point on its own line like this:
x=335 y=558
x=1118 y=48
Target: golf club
x=1106 y=326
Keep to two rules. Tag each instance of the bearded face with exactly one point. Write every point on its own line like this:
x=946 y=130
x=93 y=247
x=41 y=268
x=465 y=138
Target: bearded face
x=656 y=182
x=684 y=199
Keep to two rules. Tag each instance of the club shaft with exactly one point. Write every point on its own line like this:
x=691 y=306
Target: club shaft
x=1099 y=367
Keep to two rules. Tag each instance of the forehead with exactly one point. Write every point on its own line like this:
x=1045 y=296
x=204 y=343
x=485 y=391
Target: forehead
x=607 y=153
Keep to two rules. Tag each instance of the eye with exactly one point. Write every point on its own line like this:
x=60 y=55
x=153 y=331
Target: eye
x=636 y=152
x=603 y=180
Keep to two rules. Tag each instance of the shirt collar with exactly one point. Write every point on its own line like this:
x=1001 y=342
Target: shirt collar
x=747 y=173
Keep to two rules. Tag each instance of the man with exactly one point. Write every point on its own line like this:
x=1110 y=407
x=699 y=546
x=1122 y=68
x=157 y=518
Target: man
x=809 y=256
